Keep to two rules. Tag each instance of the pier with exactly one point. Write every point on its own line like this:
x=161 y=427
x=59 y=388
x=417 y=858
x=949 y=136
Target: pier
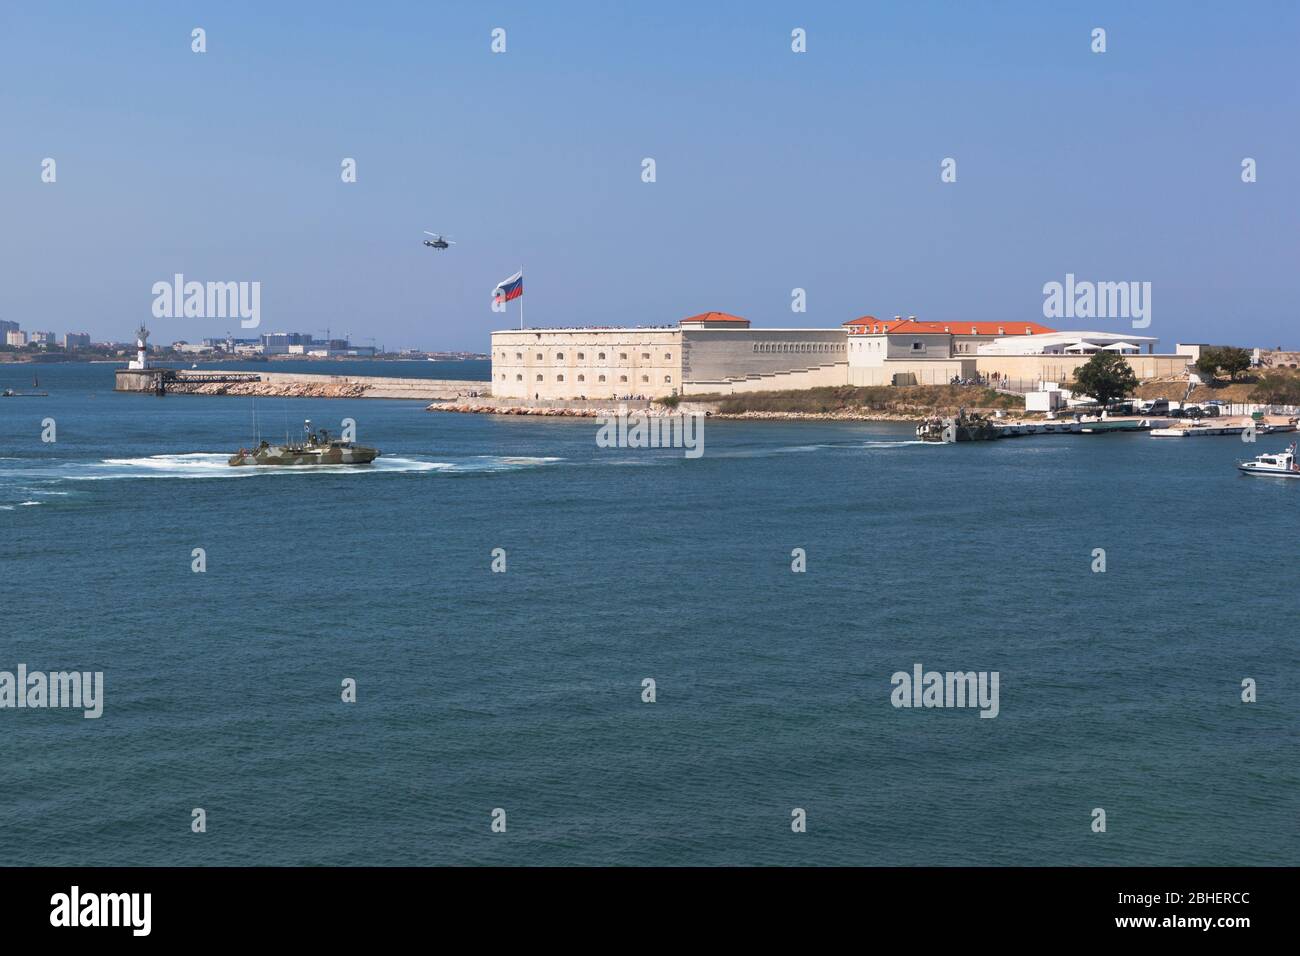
x=170 y=381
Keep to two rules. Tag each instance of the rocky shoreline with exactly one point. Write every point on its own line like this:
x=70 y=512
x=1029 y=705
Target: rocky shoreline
x=861 y=414
x=563 y=411
x=478 y=409
x=839 y=415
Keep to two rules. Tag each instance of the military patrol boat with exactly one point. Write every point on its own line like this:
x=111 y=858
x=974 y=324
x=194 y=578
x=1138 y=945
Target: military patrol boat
x=315 y=449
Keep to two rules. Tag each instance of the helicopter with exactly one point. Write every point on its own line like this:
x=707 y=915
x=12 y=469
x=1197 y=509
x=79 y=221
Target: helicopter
x=437 y=242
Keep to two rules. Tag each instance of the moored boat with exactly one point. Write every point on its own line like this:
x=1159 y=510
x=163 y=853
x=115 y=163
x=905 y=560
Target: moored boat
x=973 y=427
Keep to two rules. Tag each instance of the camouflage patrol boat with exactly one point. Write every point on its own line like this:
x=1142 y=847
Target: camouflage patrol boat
x=315 y=449
x=964 y=427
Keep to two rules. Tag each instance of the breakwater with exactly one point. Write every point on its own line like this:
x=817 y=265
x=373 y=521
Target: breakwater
x=294 y=385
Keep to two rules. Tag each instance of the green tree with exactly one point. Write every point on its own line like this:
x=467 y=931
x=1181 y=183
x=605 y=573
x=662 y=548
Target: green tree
x=1233 y=360
x=1207 y=363
x=1222 y=358
x=1105 y=377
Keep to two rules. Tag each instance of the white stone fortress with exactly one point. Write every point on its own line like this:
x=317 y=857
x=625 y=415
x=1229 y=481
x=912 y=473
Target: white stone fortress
x=715 y=352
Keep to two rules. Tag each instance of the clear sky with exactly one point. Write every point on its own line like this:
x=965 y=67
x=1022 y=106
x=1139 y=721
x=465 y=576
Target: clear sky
x=775 y=170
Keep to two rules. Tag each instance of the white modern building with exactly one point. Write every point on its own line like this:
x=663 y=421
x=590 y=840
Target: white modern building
x=1069 y=343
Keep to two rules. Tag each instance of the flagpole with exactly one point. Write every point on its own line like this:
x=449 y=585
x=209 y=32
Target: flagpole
x=521 y=301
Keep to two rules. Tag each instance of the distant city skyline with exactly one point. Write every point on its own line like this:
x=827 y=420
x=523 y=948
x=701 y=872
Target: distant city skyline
x=774 y=171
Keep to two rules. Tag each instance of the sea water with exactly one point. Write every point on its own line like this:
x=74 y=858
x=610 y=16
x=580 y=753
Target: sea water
x=524 y=690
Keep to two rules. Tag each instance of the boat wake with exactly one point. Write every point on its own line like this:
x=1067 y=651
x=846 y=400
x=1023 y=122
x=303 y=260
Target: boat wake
x=213 y=465
x=768 y=452
x=896 y=444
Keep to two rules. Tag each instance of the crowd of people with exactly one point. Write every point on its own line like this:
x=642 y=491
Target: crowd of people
x=987 y=379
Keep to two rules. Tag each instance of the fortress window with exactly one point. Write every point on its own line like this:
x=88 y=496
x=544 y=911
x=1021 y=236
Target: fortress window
x=645 y=355
x=602 y=358
x=559 y=378
x=668 y=379
x=645 y=378
x=622 y=356
x=539 y=378
x=601 y=378
x=503 y=376
x=519 y=355
x=519 y=378
x=559 y=356
x=581 y=356
x=539 y=356
x=622 y=378
x=668 y=356
x=582 y=378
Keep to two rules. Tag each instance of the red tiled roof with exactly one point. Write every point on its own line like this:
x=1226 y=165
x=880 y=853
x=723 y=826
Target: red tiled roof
x=714 y=317
x=954 y=327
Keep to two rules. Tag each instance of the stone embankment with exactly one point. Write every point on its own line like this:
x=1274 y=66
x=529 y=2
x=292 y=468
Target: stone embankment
x=838 y=415
x=562 y=409
x=588 y=409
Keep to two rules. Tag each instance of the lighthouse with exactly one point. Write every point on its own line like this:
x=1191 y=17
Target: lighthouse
x=141 y=348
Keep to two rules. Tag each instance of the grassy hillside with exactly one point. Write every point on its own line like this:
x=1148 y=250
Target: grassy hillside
x=1259 y=385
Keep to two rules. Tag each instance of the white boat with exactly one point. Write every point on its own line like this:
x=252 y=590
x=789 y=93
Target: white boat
x=1281 y=465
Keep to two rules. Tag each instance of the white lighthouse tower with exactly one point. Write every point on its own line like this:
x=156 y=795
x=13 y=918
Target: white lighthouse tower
x=141 y=348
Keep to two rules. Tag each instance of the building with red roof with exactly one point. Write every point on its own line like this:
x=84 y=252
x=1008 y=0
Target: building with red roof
x=714 y=320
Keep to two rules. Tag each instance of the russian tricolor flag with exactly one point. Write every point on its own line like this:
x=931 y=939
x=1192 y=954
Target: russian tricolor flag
x=511 y=288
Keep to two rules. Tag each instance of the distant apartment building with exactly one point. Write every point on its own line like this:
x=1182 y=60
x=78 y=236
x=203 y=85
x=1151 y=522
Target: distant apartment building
x=278 y=343
x=17 y=339
x=76 y=340
x=43 y=338
x=7 y=327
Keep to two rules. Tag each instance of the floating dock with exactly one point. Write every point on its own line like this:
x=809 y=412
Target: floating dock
x=1093 y=427
x=1198 y=431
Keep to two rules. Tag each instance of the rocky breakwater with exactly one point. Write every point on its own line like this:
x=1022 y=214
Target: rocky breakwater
x=273 y=389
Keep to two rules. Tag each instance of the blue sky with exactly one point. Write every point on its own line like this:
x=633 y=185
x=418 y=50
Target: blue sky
x=774 y=170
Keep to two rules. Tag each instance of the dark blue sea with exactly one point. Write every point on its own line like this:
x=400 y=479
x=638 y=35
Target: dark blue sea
x=523 y=690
